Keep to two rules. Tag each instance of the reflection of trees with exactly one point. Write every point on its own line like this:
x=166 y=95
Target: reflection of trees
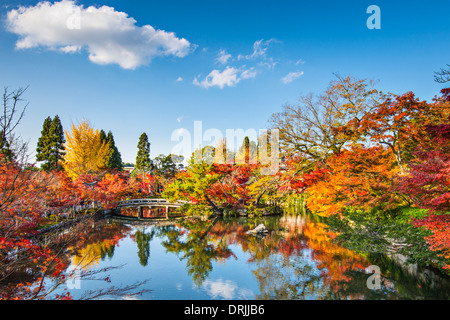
x=233 y=232
x=202 y=242
x=92 y=253
x=299 y=261
x=294 y=277
x=80 y=245
x=406 y=285
x=97 y=243
x=143 y=243
x=317 y=269
x=336 y=260
x=191 y=242
x=283 y=271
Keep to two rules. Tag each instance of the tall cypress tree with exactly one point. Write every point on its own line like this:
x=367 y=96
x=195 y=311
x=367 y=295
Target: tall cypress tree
x=50 y=146
x=103 y=136
x=115 y=160
x=43 y=144
x=57 y=139
x=143 y=155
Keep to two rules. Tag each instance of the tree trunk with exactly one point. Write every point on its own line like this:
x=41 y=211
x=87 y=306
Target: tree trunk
x=259 y=198
x=215 y=209
x=209 y=228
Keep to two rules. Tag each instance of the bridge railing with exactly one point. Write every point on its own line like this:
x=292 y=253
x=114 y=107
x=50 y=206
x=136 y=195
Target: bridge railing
x=149 y=202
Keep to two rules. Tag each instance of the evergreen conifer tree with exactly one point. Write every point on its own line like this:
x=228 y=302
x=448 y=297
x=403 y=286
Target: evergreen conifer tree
x=143 y=155
x=50 y=146
x=115 y=160
x=102 y=135
x=43 y=143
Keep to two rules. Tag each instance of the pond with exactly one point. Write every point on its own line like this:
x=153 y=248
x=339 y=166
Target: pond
x=217 y=259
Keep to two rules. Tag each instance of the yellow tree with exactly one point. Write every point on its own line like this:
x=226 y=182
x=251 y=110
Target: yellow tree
x=85 y=150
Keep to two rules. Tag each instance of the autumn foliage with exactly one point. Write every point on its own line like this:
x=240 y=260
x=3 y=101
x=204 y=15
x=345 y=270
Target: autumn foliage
x=359 y=177
x=396 y=155
x=30 y=200
x=363 y=150
x=85 y=150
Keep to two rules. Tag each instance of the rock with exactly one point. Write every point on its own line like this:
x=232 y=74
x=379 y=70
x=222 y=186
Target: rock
x=242 y=212
x=260 y=229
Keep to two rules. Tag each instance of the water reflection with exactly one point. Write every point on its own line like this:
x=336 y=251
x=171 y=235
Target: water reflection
x=142 y=239
x=297 y=259
x=226 y=289
x=97 y=243
x=149 y=212
x=190 y=240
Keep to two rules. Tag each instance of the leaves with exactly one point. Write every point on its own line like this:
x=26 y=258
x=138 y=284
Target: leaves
x=50 y=146
x=428 y=180
x=143 y=155
x=86 y=152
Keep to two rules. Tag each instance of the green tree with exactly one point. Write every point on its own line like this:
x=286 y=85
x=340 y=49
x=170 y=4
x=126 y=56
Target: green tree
x=50 y=146
x=167 y=165
x=43 y=143
x=115 y=160
x=102 y=135
x=196 y=183
x=143 y=156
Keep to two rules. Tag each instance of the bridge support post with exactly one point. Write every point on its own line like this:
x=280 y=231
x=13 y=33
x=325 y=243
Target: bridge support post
x=167 y=212
x=140 y=212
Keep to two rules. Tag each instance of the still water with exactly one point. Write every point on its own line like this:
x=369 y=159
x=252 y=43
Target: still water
x=195 y=259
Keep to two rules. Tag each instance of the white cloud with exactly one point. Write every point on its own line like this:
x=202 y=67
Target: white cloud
x=220 y=289
x=291 y=76
x=70 y=49
x=259 y=49
x=228 y=77
x=268 y=63
x=300 y=61
x=243 y=67
x=226 y=289
x=179 y=79
x=249 y=73
x=179 y=120
x=130 y=297
x=223 y=57
x=109 y=36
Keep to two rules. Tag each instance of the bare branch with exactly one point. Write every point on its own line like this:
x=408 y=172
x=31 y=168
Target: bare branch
x=443 y=75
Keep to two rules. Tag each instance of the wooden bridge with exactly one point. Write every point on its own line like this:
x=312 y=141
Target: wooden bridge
x=141 y=203
x=150 y=203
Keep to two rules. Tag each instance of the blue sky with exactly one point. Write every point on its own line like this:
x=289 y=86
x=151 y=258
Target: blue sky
x=231 y=59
